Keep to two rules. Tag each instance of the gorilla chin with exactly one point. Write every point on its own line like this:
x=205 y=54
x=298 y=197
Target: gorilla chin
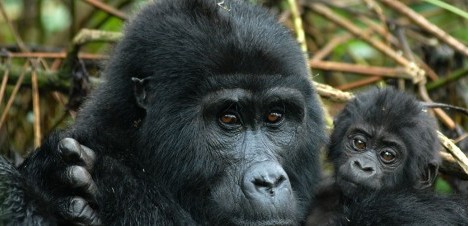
x=265 y=188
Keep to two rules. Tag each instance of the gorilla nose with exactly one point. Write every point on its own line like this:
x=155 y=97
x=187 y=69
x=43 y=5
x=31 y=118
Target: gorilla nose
x=266 y=179
x=364 y=166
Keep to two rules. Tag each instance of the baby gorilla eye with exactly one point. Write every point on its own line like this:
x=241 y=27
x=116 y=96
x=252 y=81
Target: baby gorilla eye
x=274 y=117
x=387 y=156
x=359 y=144
x=228 y=118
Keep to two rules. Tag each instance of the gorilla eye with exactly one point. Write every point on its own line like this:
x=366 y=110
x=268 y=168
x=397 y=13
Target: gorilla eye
x=359 y=144
x=387 y=156
x=274 y=117
x=229 y=119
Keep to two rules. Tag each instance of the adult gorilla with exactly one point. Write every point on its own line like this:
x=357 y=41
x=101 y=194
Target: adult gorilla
x=205 y=116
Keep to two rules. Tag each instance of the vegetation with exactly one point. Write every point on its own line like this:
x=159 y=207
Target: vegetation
x=51 y=53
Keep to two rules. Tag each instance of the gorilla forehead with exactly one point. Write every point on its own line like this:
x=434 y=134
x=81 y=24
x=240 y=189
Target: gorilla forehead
x=220 y=40
x=387 y=107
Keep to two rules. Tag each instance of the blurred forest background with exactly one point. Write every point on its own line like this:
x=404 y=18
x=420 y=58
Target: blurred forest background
x=52 y=52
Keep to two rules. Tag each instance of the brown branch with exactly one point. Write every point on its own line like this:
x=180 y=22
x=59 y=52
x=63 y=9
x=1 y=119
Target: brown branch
x=36 y=106
x=412 y=69
x=360 y=83
x=428 y=26
x=13 y=95
x=4 y=84
x=60 y=55
x=459 y=156
x=450 y=166
x=297 y=21
x=359 y=69
x=330 y=46
x=108 y=9
x=88 y=35
x=331 y=93
x=13 y=31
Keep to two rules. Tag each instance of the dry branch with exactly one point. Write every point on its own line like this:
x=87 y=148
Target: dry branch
x=331 y=93
x=461 y=158
x=89 y=35
x=417 y=74
x=36 y=106
x=428 y=26
x=108 y=9
x=360 y=69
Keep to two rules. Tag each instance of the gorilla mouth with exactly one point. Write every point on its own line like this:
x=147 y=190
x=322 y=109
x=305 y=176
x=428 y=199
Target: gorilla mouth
x=239 y=221
x=347 y=182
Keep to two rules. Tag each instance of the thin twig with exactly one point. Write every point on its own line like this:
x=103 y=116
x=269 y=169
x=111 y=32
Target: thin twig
x=450 y=166
x=297 y=21
x=4 y=84
x=331 y=93
x=411 y=68
x=459 y=156
x=450 y=78
x=428 y=26
x=89 y=35
x=330 y=46
x=60 y=55
x=360 y=69
x=13 y=31
x=13 y=95
x=108 y=9
x=36 y=106
x=359 y=83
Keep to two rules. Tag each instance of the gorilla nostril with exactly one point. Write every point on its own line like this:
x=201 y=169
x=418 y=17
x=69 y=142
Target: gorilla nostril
x=269 y=181
x=266 y=179
x=359 y=165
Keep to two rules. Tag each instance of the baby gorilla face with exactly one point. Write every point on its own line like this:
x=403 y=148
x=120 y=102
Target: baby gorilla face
x=372 y=159
x=383 y=140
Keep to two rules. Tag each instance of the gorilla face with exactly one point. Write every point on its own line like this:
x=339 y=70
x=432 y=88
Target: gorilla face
x=240 y=138
x=372 y=158
x=384 y=140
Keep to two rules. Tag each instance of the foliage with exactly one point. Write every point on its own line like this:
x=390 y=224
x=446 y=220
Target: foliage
x=38 y=35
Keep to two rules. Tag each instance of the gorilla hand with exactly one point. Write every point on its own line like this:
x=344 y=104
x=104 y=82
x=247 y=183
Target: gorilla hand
x=76 y=176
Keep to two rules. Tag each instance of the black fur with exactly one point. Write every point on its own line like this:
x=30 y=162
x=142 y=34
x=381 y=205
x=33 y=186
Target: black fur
x=20 y=204
x=162 y=158
x=403 y=207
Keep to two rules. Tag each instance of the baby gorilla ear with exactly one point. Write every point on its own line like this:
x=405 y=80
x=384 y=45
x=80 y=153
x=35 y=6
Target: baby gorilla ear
x=140 y=91
x=428 y=176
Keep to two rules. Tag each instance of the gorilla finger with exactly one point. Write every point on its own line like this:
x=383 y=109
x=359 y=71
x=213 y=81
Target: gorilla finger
x=78 y=177
x=79 y=211
x=88 y=157
x=70 y=149
x=73 y=152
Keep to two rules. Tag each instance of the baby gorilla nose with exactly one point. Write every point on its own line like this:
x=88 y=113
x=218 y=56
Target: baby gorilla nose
x=365 y=167
x=266 y=181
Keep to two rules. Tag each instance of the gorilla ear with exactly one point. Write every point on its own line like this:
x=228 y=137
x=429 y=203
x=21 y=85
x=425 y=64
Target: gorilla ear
x=429 y=176
x=140 y=91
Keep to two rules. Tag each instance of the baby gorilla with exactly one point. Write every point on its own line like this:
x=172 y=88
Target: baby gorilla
x=384 y=139
x=384 y=149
